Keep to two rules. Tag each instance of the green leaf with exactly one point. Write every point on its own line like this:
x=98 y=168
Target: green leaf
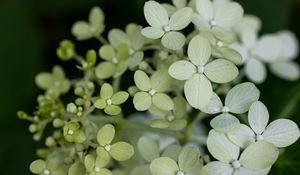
x=142 y=80
x=173 y=40
x=142 y=101
x=225 y=123
x=198 y=91
x=182 y=70
x=155 y=14
x=163 y=101
x=259 y=155
x=241 y=96
x=148 y=148
x=112 y=110
x=188 y=158
x=163 y=166
x=221 y=71
x=121 y=151
x=119 y=97
x=106 y=91
x=37 y=166
x=106 y=134
x=199 y=50
x=105 y=70
x=181 y=18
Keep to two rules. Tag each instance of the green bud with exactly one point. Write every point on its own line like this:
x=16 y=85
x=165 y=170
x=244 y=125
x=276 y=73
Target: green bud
x=57 y=123
x=71 y=108
x=91 y=86
x=91 y=57
x=66 y=50
x=50 y=141
x=32 y=128
x=79 y=91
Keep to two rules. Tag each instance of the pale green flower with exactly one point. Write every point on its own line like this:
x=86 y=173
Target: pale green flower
x=198 y=72
x=119 y=151
x=55 y=81
x=83 y=30
x=238 y=101
x=73 y=133
x=281 y=132
x=174 y=119
x=110 y=101
x=115 y=61
x=96 y=165
x=188 y=164
x=248 y=22
x=152 y=90
x=165 y=27
x=176 y=5
x=66 y=50
x=52 y=166
x=255 y=158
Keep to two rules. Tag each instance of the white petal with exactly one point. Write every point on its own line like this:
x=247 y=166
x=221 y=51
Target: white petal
x=198 y=91
x=268 y=48
x=286 y=70
x=225 y=123
x=282 y=133
x=248 y=22
x=218 y=168
x=199 y=50
x=155 y=14
x=179 y=3
x=290 y=45
x=221 y=71
x=228 y=14
x=205 y=8
x=259 y=155
x=163 y=166
x=221 y=148
x=200 y=21
x=214 y=106
x=244 y=171
x=249 y=38
x=258 y=117
x=153 y=32
x=256 y=71
x=117 y=37
x=181 y=18
x=240 y=97
x=173 y=40
x=243 y=136
x=182 y=70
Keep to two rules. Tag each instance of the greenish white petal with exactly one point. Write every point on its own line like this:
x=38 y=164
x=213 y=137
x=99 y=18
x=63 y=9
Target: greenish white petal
x=182 y=70
x=286 y=70
x=243 y=136
x=228 y=14
x=173 y=40
x=148 y=148
x=188 y=158
x=218 y=168
x=163 y=101
x=221 y=71
x=199 y=50
x=142 y=101
x=121 y=151
x=155 y=14
x=258 y=117
x=163 y=166
x=181 y=18
x=153 y=32
x=106 y=134
x=105 y=70
x=256 y=71
x=142 y=81
x=225 y=123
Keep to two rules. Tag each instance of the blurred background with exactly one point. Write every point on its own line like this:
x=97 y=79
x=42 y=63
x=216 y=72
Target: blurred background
x=30 y=31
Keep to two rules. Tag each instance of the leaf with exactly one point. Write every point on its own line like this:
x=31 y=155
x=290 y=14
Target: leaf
x=225 y=123
x=152 y=32
x=188 y=158
x=105 y=70
x=142 y=101
x=259 y=155
x=148 y=148
x=241 y=96
x=221 y=148
x=155 y=14
x=182 y=70
x=181 y=18
x=121 y=151
x=142 y=81
x=106 y=134
x=198 y=91
x=258 y=117
x=106 y=91
x=221 y=71
x=163 y=101
x=199 y=50
x=163 y=166
x=282 y=133
x=228 y=14
x=173 y=40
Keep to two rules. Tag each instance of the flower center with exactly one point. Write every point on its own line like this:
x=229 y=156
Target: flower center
x=114 y=60
x=108 y=102
x=167 y=28
x=97 y=169
x=259 y=137
x=107 y=147
x=220 y=44
x=236 y=164
x=70 y=132
x=180 y=173
x=201 y=69
x=225 y=109
x=213 y=22
x=46 y=172
x=152 y=92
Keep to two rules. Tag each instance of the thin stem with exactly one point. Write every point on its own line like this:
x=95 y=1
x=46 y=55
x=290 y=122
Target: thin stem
x=102 y=40
x=291 y=103
x=116 y=83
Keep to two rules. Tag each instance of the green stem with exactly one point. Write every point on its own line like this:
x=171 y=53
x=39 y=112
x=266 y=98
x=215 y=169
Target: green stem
x=102 y=40
x=291 y=104
x=116 y=83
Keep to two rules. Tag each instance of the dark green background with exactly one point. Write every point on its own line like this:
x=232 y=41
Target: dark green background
x=30 y=30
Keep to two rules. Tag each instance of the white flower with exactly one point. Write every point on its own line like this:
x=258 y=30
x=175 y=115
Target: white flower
x=254 y=160
x=237 y=101
x=165 y=27
x=281 y=132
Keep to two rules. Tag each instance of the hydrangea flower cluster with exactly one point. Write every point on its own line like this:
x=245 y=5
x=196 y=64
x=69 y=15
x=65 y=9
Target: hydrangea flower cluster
x=139 y=105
